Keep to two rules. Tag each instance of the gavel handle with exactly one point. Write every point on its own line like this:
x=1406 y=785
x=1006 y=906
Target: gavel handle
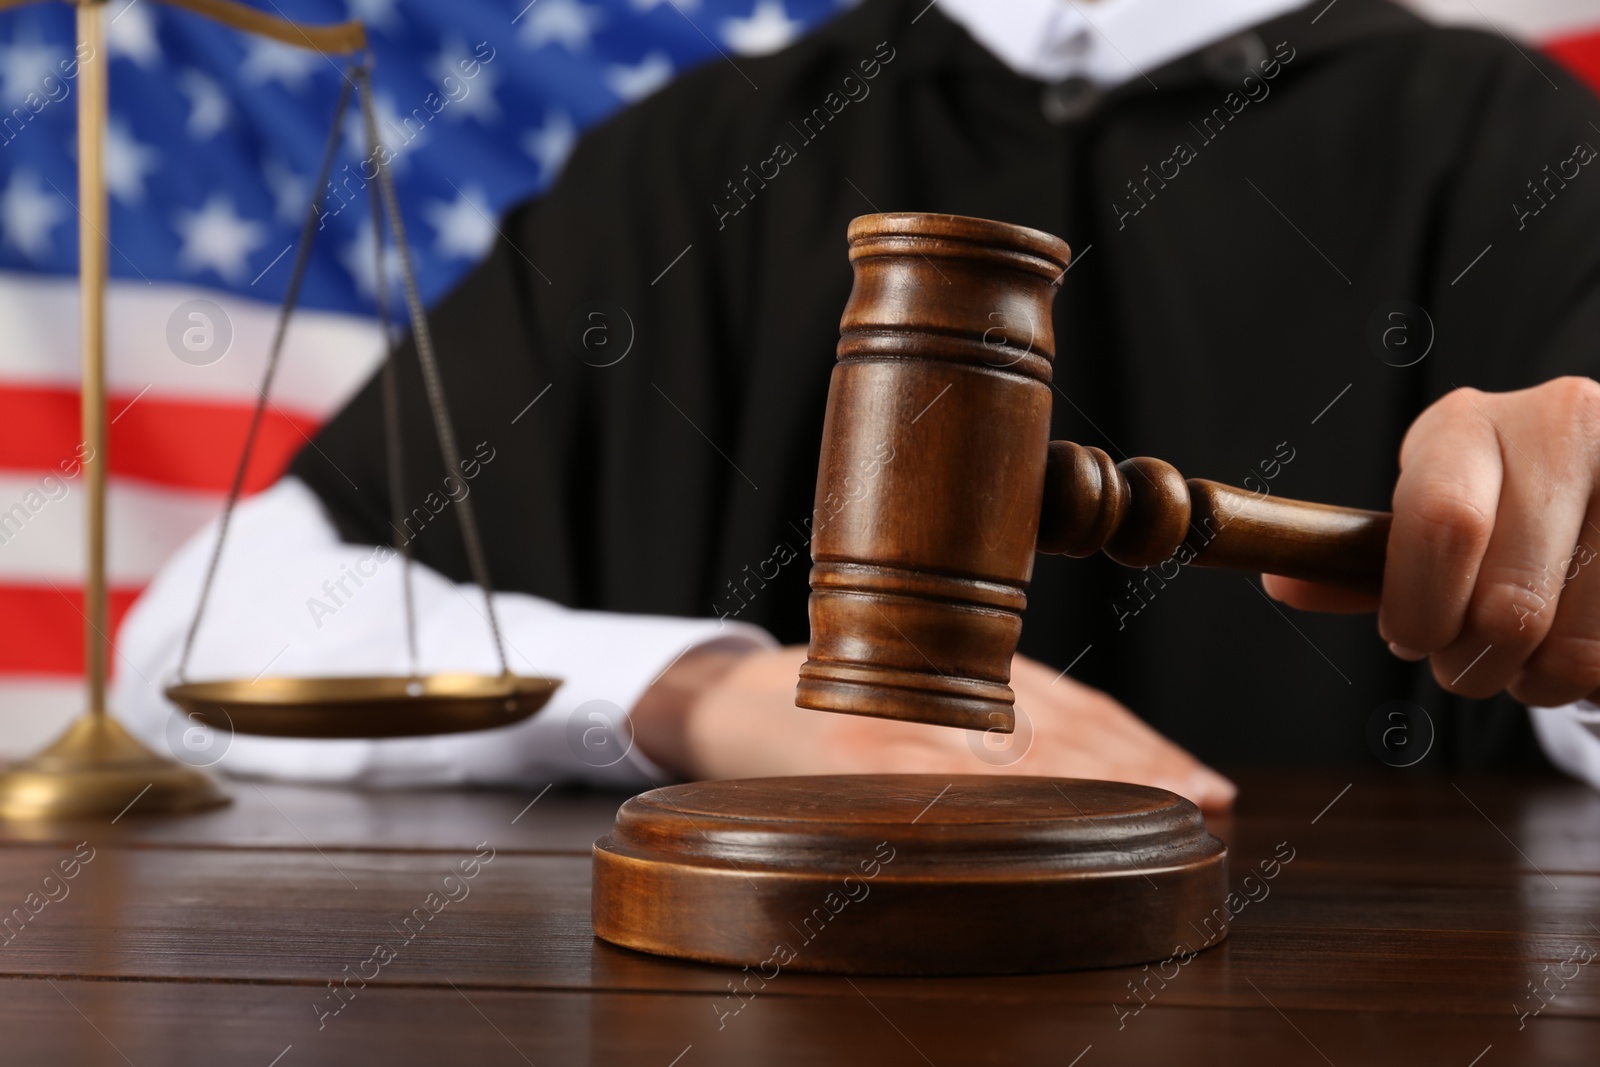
x=1142 y=512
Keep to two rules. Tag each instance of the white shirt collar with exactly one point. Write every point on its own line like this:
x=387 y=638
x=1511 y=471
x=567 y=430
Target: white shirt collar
x=1106 y=41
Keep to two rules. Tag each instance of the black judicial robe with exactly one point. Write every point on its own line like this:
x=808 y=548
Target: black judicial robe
x=1240 y=248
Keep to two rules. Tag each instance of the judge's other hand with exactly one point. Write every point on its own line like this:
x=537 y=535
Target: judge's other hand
x=730 y=715
x=1496 y=523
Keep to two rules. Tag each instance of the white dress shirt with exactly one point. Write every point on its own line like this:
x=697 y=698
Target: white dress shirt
x=283 y=548
x=1106 y=42
x=268 y=615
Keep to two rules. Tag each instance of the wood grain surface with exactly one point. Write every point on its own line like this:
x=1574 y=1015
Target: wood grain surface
x=1405 y=928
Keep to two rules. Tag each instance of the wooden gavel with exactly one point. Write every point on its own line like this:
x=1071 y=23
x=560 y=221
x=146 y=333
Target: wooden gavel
x=938 y=481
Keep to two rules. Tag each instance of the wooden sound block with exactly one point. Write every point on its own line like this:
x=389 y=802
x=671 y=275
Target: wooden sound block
x=910 y=874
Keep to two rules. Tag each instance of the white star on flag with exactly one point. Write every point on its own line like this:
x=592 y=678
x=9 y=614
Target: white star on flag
x=127 y=162
x=478 y=101
x=208 y=105
x=768 y=29
x=291 y=193
x=216 y=238
x=266 y=60
x=357 y=258
x=551 y=143
x=567 y=21
x=398 y=133
x=377 y=14
x=466 y=227
x=131 y=32
x=24 y=66
x=28 y=213
x=640 y=80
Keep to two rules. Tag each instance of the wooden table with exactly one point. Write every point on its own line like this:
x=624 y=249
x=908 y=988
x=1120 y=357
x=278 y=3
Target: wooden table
x=1406 y=928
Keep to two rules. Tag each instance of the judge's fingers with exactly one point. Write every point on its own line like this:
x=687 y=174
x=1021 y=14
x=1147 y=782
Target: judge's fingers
x=1444 y=512
x=1313 y=596
x=1545 y=438
x=1566 y=665
x=1080 y=732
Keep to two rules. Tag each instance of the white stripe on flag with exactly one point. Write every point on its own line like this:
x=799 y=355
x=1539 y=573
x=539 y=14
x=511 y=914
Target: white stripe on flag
x=326 y=355
x=45 y=542
x=33 y=711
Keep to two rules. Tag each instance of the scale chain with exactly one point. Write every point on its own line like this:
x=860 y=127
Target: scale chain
x=432 y=382
x=291 y=297
x=393 y=446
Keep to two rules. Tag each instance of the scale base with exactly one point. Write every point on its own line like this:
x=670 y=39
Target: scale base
x=911 y=874
x=97 y=768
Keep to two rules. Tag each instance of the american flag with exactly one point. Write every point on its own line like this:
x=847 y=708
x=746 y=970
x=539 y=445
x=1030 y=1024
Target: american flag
x=213 y=144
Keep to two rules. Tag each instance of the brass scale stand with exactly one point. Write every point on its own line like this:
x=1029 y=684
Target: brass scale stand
x=97 y=767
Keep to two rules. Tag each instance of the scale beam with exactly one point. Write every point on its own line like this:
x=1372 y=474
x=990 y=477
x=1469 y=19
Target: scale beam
x=339 y=38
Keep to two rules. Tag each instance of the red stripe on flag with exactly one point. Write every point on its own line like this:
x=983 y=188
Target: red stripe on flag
x=1580 y=54
x=178 y=443
x=41 y=628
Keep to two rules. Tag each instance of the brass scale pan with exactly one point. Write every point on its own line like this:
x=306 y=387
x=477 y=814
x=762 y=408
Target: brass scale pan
x=365 y=707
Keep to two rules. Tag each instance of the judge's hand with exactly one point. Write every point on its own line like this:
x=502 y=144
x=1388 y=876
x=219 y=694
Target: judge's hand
x=1496 y=525
x=729 y=715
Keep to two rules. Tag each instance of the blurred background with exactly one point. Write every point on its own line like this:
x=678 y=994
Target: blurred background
x=213 y=148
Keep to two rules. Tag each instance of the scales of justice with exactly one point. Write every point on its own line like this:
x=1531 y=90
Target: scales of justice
x=97 y=767
x=916 y=609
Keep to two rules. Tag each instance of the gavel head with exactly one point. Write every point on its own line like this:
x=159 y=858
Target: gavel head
x=932 y=470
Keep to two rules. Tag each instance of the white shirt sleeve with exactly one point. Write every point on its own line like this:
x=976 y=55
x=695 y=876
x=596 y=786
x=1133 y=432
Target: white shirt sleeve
x=1570 y=736
x=292 y=599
